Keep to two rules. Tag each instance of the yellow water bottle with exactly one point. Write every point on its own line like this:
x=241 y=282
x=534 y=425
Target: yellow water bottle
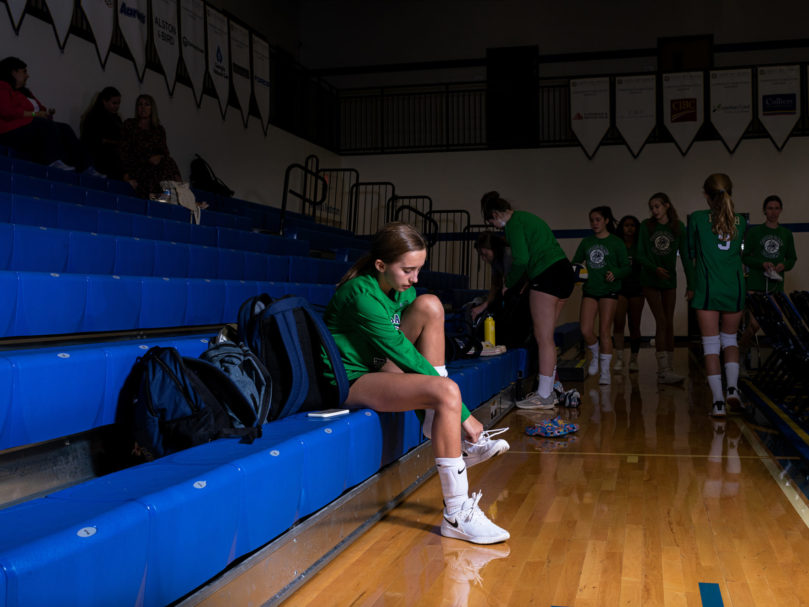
x=488 y=330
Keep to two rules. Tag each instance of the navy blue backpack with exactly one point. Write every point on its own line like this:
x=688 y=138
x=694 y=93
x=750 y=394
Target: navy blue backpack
x=170 y=402
x=289 y=337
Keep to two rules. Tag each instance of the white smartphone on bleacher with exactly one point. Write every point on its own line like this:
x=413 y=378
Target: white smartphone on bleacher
x=327 y=413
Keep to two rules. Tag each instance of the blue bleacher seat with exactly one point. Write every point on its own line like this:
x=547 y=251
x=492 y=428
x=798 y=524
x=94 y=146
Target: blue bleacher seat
x=113 y=303
x=119 y=187
x=204 y=235
x=130 y=204
x=67 y=192
x=236 y=292
x=278 y=267
x=115 y=222
x=203 y=262
x=230 y=264
x=134 y=257
x=34 y=211
x=147 y=227
x=102 y=200
x=58 y=175
x=77 y=217
x=166 y=211
x=91 y=253
x=49 y=303
x=163 y=302
x=39 y=249
x=5 y=207
x=177 y=231
x=91 y=182
x=28 y=168
x=6 y=245
x=76 y=547
x=206 y=301
x=8 y=303
x=171 y=259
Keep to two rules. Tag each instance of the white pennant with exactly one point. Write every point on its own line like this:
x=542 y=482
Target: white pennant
x=261 y=78
x=635 y=109
x=218 y=63
x=16 y=8
x=683 y=111
x=192 y=28
x=164 y=34
x=590 y=111
x=731 y=104
x=240 y=66
x=779 y=100
x=61 y=15
x=101 y=17
x=134 y=26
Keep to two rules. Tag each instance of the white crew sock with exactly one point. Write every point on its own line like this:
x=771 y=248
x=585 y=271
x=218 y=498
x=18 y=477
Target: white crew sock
x=732 y=374
x=454 y=483
x=442 y=370
x=545 y=385
x=715 y=384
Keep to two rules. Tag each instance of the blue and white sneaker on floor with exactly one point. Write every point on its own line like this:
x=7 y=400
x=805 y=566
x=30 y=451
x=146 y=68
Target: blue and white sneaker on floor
x=485 y=448
x=470 y=524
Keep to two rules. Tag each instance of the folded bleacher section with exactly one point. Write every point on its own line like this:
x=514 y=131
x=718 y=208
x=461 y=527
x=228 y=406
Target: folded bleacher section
x=89 y=275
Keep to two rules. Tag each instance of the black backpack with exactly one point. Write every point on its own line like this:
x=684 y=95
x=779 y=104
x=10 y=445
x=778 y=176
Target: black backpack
x=290 y=339
x=203 y=178
x=461 y=338
x=170 y=402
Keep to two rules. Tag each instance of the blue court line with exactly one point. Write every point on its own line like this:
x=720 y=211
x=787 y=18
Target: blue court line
x=711 y=595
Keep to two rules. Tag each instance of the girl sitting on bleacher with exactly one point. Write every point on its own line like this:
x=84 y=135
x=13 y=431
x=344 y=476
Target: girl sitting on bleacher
x=392 y=346
x=28 y=127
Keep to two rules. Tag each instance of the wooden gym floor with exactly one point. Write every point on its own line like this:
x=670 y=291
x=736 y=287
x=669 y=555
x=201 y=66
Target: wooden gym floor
x=651 y=503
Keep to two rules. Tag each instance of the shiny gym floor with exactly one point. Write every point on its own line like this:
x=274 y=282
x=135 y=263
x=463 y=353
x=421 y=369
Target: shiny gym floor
x=651 y=503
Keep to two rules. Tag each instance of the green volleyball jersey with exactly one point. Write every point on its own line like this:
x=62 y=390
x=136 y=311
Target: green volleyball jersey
x=602 y=255
x=658 y=246
x=534 y=248
x=365 y=324
x=718 y=273
x=762 y=245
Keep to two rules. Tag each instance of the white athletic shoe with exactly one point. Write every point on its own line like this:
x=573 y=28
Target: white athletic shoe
x=534 y=401
x=718 y=409
x=733 y=399
x=618 y=365
x=470 y=524
x=62 y=166
x=485 y=448
x=633 y=363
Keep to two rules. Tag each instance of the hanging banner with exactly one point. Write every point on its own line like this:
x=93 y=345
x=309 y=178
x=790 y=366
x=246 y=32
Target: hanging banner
x=16 y=9
x=164 y=35
x=61 y=16
x=590 y=111
x=635 y=109
x=731 y=104
x=218 y=56
x=779 y=100
x=261 y=79
x=192 y=25
x=101 y=17
x=134 y=28
x=240 y=66
x=683 y=107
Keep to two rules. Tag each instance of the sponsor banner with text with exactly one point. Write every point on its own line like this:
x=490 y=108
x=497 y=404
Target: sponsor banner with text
x=218 y=62
x=16 y=8
x=134 y=26
x=731 y=103
x=590 y=111
x=61 y=15
x=192 y=43
x=779 y=100
x=683 y=106
x=635 y=109
x=164 y=34
x=240 y=66
x=261 y=78
x=101 y=18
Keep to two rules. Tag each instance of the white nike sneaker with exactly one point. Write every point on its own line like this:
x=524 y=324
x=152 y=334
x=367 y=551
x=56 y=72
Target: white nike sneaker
x=470 y=524
x=484 y=448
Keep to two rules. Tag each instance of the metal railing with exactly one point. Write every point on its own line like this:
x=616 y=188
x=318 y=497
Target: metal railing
x=368 y=206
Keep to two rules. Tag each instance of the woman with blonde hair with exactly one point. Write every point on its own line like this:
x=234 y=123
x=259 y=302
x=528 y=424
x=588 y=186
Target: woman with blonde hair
x=715 y=241
x=392 y=347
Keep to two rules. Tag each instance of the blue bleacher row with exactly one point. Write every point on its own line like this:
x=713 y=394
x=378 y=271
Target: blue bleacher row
x=150 y=534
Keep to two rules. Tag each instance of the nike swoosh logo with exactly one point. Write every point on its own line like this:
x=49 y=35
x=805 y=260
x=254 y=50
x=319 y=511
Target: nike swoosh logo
x=453 y=523
x=464 y=454
x=462 y=470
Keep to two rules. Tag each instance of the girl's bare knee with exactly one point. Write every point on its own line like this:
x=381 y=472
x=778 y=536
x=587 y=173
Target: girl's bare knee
x=429 y=304
x=448 y=396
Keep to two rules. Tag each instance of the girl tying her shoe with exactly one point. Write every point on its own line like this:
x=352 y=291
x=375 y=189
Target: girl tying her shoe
x=392 y=346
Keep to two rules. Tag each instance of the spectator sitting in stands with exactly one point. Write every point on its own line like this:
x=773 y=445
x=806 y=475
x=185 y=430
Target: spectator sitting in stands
x=28 y=127
x=144 y=152
x=101 y=133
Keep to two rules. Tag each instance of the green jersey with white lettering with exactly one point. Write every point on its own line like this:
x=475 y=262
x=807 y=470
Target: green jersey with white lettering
x=718 y=272
x=602 y=255
x=762 y=245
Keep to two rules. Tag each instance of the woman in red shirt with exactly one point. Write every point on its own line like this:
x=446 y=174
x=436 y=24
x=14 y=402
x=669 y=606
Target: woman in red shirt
x=27 y=126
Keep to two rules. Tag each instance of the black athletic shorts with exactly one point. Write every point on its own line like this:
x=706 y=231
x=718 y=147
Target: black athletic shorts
x=611 y=295
x=558 y=280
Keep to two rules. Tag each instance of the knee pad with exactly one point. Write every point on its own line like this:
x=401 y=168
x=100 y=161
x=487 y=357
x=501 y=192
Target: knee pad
x=728 y=340
x=710 y=345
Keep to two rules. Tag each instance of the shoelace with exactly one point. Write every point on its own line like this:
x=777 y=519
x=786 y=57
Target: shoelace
x=473 y=508
x=487 y=435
